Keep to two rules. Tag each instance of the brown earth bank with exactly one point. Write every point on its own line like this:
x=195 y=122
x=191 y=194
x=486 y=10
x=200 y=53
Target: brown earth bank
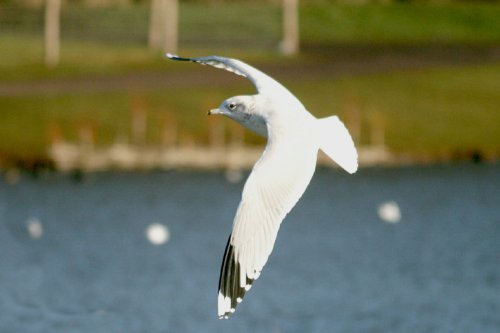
x=315 y=61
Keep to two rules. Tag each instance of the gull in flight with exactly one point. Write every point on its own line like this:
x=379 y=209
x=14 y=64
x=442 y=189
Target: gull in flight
x=278 y=179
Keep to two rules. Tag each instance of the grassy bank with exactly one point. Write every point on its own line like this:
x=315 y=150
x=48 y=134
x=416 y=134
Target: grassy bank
x=401 y=23
x=114 y=39
x=438 y=111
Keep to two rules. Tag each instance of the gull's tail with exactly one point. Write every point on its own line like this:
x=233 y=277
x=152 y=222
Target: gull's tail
x=336 y=142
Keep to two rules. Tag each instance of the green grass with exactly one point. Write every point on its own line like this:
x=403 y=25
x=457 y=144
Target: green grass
x=27 y=123
x=113 y=39
x=22 y=59
x=436 y=111
x=439 y=111
x=401 y=23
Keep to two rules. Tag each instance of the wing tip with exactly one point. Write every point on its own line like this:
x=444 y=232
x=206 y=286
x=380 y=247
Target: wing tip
x=224 y=307
x=172 y=56
x=232 y=286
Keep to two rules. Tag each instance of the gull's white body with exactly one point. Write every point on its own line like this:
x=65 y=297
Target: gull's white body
x=280 y=176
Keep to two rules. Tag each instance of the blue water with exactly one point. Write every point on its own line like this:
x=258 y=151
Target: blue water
x=336 y=266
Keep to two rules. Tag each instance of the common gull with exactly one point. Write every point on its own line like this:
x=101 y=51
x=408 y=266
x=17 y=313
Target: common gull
x=278 y=179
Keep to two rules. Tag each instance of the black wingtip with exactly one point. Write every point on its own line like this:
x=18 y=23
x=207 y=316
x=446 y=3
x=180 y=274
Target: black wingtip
x=230 y=292
x=176 y=57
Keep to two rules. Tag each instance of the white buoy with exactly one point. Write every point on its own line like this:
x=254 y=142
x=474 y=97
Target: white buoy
x=35 y=227
x=234 y=175
x=157 y=233
x=12 y=176
x=389 y=212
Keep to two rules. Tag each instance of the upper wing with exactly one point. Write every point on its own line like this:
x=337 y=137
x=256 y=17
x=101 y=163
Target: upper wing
x=264 y=83
x=276 y=183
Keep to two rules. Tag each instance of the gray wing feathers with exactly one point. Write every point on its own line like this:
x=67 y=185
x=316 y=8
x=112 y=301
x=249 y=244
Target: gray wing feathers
x=215 y=61
x=262 y=82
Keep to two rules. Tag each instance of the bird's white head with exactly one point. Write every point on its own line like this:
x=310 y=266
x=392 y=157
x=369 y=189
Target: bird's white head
x=245 y=110
x=237 y=108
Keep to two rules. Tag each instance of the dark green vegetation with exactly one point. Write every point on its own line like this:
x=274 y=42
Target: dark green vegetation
x=429 y=103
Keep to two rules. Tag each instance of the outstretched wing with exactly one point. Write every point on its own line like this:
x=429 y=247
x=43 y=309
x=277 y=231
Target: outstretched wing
x=262 y=82
x=275 y=185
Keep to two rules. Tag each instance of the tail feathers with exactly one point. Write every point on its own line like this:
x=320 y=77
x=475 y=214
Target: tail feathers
x=336 y=142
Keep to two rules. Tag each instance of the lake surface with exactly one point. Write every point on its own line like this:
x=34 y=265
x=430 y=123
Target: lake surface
x=74 y=256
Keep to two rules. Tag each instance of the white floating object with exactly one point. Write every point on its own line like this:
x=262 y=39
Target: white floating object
x=35 y=227
x=234 y=175
x=389 y=212
x=157 y=233
x=12 y=176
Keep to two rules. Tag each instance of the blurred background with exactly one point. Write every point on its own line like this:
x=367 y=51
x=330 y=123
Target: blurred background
x=117 y=192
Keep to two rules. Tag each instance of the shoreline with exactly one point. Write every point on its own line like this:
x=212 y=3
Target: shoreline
x=70 y=157
x=65 y=157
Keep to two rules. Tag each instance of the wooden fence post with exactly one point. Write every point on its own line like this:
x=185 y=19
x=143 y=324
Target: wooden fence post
x=171 y=9
x=52 y=32
x=290 y=43
x=163 y=23
x=139 y=121
x=155 y=23
x=377 y=130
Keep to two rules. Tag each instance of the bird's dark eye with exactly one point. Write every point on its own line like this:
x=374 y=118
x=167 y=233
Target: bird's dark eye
x=231 y=106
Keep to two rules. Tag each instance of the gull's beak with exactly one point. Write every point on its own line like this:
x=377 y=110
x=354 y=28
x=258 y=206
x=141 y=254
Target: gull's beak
x=215 y=111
